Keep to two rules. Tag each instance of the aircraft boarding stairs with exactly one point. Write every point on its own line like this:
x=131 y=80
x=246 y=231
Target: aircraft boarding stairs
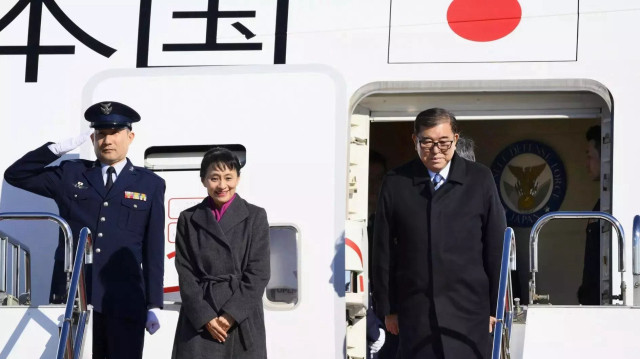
x=45 y=331
x=542 y=330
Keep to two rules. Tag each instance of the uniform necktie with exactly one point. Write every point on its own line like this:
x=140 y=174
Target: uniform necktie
x=110 y=172
x=437 y=181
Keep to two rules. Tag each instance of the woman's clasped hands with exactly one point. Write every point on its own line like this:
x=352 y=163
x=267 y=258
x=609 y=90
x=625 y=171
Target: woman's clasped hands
x=219 y=326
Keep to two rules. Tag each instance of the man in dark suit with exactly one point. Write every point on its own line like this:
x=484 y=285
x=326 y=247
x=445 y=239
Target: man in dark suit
x=589 y=290
x=123 y=206
x=445 y=216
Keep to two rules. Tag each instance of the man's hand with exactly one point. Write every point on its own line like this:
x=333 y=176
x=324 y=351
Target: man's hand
x=153 y=324
x=492 y=323
x=219 y=326
x=391 y=322
x=69 y=144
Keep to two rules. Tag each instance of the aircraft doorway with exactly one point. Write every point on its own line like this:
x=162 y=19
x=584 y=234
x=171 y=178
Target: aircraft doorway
x=499 y=121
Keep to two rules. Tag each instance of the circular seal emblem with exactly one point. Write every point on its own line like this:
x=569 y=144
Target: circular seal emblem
x=531 y=181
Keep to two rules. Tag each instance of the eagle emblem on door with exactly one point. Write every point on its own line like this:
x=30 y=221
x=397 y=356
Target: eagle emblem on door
x=531 y=180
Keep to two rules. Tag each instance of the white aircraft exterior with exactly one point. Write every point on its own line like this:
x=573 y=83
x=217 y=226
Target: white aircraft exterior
x=295 y=87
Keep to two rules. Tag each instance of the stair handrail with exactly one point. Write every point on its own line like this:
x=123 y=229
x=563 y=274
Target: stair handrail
x=5 y=242
x=635 y=259
x=533 y=246
x=502 y=329
x=77 y=289
x=66 y=231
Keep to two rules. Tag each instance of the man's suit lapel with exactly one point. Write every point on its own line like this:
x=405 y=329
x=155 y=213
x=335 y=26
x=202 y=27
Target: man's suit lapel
x=94 y=176
x=203 y=218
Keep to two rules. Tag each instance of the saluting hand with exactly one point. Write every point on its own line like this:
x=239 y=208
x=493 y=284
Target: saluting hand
x=69 y=144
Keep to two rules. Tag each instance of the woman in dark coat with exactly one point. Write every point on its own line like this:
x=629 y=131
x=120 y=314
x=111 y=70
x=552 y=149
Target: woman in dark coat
x=222 y=259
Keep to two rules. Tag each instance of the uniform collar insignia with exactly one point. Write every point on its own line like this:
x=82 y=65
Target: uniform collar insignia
x=106 y=108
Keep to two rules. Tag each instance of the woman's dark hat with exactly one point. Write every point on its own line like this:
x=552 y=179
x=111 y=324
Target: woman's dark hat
x=111 y=114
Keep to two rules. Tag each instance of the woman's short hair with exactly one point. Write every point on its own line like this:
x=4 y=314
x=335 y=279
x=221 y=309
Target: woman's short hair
x=433 y=117
x=220 y=158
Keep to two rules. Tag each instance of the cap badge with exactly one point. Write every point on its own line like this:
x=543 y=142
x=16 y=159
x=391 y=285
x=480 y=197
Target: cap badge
x=106 y=108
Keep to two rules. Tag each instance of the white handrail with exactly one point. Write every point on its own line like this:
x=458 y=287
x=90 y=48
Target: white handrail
x=635 y=258
x=66 y=231
x=34 y=216
x=533 y=247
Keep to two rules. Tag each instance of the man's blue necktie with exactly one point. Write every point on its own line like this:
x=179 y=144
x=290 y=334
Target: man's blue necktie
x=437 y=181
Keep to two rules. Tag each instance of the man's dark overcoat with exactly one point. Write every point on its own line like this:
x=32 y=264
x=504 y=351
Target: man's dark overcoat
x=444 y=284
x=223 y=267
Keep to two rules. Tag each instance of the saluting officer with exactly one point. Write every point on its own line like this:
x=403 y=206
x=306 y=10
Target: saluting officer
x=123 y=206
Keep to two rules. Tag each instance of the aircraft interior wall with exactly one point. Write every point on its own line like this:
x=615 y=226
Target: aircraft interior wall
x=561 y=243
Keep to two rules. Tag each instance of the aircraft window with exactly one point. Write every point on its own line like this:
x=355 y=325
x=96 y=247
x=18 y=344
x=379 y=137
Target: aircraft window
x=184 y=158
x=351 y=281
x=282 y=289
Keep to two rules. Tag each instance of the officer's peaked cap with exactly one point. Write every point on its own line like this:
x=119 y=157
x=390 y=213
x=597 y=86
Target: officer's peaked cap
x=111 y=114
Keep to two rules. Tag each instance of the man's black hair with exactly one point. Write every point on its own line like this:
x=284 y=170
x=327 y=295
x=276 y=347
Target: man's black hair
x=433 y=117
x=594 y=134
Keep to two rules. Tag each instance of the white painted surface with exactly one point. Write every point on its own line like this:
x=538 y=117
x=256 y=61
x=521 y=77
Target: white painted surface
x=582 y=332
x=418 y=27
x=34 y=332
x=160 y=344
x=297 y=151
x=516 y=342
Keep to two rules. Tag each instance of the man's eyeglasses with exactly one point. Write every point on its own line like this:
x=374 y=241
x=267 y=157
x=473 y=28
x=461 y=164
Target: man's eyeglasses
x=427 y=144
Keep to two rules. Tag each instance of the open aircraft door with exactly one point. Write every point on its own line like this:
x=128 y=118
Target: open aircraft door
x=290 y=126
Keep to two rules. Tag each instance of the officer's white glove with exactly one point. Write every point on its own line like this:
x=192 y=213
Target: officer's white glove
x=377 y=345
x=153 y=324
x=69 y=144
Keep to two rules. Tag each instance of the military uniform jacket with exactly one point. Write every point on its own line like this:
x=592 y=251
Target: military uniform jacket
x=127 y=226
x=223 y=267
x=444 y=283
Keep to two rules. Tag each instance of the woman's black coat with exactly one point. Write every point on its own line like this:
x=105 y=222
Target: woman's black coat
x=222 y=268
x=444 y=282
